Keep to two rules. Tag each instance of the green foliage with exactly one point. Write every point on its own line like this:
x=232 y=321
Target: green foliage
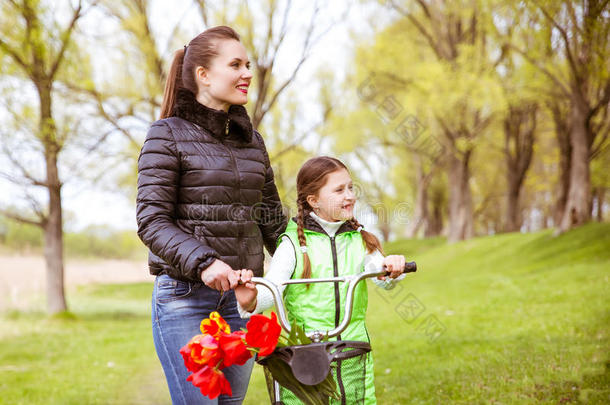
x=600 y=167
x=21 y=237
x=104 y=242
x=93 y=241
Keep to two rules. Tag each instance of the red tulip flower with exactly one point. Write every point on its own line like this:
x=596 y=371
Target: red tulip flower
x=209 y=354
x=190 y=364
x=211 y=382
x=263 y=333
x=201 y=350
x=234 y=349
x=215 y=325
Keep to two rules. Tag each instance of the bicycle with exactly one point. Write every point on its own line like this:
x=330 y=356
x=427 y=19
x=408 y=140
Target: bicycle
x=311 y=363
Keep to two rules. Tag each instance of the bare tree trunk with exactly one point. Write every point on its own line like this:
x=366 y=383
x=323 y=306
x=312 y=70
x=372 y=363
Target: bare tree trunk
x=546 y=219
x=383 y=218
x=420 y=213
x=53 y=230
x=519 y=134
x=513 y=222
x=578 y=202
x=460 y=199
x=384 y=228
x=562 y=134
x=565 y=163
x=435 y=223
x=53 y=251
x=599 y=198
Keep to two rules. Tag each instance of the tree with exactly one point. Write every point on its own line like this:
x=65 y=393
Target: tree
x=519 y=135
x=582 y=30
x=519 y=120
x=458 y=35
x=38 y=51
x=559 y=110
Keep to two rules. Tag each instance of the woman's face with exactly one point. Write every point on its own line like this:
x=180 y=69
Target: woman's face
x=336 y=199
x=226 y=81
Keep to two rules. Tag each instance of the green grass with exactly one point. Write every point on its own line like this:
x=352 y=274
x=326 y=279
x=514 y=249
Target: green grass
x=507 y=319
x=521 y=319
x=100 y=353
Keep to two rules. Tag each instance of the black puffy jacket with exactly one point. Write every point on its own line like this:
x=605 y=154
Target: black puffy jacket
x=206 y=191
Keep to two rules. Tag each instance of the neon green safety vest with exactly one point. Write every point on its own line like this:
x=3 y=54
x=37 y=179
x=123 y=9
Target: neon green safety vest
x=321 y=306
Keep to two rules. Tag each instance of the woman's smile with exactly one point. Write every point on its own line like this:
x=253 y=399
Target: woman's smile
x=243 y=87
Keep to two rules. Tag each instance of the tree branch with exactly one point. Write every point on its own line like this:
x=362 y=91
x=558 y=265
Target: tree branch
x=203 y=12
x=6 y=48
x=603 y=101
x=65 y=37
x=22 y=219
x=304 y=55
x=566 y=40
x=420 y=27
x=297 y=141
x=113 y=120
x=544 y=70
x=24 y=172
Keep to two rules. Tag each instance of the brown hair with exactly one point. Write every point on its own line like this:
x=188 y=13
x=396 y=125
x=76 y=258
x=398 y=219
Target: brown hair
x=311 y=178
x=199 y=52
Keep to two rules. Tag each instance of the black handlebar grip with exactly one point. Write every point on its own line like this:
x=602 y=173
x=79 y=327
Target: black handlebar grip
x=410 y=267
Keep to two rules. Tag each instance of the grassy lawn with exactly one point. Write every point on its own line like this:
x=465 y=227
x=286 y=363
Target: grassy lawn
x=509 y=319
x=102 y=355
x=519 y=319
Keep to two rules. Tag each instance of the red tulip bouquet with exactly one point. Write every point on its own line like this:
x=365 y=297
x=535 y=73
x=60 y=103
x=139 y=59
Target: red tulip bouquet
x=216 y=348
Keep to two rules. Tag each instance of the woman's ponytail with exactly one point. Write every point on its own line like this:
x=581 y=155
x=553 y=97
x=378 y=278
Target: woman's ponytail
x=172 y=84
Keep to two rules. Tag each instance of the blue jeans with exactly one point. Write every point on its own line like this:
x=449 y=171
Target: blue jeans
x=177 y=310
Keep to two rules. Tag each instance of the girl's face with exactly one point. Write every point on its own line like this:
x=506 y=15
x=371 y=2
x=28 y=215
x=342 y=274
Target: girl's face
x=226 y=82
x=335 y=200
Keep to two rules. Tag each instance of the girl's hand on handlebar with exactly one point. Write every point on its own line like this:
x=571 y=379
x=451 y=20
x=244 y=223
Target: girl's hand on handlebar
x=246 y=291
x=395 y=264
x=219 y=276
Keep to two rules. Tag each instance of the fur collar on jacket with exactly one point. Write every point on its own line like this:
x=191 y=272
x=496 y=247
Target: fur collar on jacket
x=215 y=121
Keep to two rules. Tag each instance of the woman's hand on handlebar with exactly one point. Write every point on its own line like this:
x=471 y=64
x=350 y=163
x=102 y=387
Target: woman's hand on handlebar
x=219 y=276
x=395 y=264
x=246 y=291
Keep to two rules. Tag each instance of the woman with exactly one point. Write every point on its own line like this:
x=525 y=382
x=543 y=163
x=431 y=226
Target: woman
x=206 y=203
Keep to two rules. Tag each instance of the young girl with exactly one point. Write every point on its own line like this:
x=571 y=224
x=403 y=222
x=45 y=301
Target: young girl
x=325 y=240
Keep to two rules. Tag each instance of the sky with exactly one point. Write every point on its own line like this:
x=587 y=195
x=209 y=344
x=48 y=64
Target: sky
x=87 y=205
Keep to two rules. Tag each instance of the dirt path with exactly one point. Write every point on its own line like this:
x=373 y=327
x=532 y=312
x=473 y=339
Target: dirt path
x=22 y=278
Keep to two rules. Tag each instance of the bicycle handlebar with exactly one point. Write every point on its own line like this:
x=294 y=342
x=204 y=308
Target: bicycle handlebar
x=352 y=280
